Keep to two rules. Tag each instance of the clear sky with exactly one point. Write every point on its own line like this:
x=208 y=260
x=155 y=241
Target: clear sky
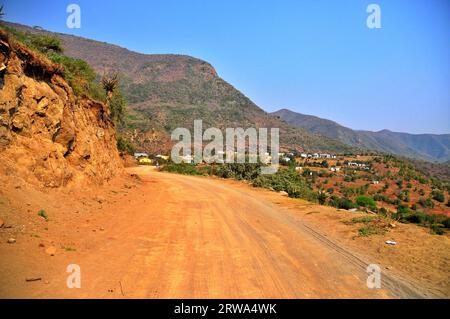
x=312 y=56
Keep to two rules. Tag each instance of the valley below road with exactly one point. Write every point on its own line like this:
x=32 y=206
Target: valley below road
x=172 y=236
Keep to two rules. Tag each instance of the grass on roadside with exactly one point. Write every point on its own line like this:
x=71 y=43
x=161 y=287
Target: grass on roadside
x=42 y=213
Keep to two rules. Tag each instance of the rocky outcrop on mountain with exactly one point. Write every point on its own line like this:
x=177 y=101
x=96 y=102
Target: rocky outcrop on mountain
x=48 y=136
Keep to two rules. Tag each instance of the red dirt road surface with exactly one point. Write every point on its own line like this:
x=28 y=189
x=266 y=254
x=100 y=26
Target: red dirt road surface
x=179 y=236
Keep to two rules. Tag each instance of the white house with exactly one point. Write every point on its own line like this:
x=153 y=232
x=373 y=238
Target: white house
x=140 y=154
x=164 y=157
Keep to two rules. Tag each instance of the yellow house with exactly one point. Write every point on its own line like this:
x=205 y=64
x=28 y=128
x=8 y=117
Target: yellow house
x=145 y=161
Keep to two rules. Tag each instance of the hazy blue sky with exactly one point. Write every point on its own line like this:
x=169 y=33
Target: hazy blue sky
x=312 y=56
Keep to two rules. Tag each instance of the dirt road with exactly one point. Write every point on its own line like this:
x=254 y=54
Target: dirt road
x=192 y=237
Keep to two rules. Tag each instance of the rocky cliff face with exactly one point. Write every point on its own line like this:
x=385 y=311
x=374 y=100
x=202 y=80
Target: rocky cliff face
x=48 y=136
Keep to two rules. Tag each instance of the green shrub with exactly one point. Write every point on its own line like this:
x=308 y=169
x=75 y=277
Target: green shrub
x=362 y=219
x=427 y=220
x=125 y=146
x=426 y=203
x=45 y=44
x=341 y=203
x=118 y=107
x=366 y=201
x=239 y=171
x=42 y=43
x=322 y=198
x=404 y=196
x=437 y=195
x=436 y=229
x=414 y=218
x=287 y=180
x=183 y=168
x=370 y=230
x=42 y=213
x=80 y=76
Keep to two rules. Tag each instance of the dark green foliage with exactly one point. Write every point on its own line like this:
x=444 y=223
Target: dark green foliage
x=342 y=203
x=436 y=229
x=80 y=76
x=362 y=219
x=384 y=198
x=42 y=213
x=366 y=201
x=437 y=195
x=239 y=171
x=286 y=180
x=426 y=203
x=322 y=198
x=370 y=230
x=436 y=223
x=404 y=196
x=42 y=43
x=125 y=146
x=383 y=211
x=118 y=108
x=352 y=191
x=183 y=168
x=289 y=181
x=45 y=44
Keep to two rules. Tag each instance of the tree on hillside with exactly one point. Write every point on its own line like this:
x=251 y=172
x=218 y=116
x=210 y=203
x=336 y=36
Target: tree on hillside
x=114 y=99
x=118 y=107
x=110 y=84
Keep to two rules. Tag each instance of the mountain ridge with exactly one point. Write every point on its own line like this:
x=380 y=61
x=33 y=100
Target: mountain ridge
x=430 y=147
x=170 y=91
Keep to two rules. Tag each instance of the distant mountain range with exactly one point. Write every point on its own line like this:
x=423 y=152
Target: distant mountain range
x=430 y=147
x=167 y=91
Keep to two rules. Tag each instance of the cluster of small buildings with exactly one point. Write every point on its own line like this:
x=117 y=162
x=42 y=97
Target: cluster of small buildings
x=332 y=169
x=144 y=158
x=317 y=155
x=359 y=165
